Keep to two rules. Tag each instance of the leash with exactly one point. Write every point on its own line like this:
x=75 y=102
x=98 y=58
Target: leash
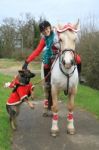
x=53 y=64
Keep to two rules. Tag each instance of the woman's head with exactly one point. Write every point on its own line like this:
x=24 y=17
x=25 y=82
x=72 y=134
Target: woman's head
x=45 y=28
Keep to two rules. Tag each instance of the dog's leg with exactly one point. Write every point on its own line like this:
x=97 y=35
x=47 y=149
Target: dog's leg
x=12 y=113
x=13 y=123
x=31 y=105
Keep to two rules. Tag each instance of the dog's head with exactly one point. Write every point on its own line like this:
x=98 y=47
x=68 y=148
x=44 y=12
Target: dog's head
x=25 y=76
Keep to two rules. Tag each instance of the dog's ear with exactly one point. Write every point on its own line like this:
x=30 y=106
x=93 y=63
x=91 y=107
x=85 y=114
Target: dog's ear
x=30 y=74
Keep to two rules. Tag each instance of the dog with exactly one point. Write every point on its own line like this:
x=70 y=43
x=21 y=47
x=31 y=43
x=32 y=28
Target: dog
x=22 y=90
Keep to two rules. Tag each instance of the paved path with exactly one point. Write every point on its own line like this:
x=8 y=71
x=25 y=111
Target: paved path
x=34 y=131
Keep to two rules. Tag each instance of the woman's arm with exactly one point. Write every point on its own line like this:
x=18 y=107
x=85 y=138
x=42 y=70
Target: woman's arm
x=37 y=51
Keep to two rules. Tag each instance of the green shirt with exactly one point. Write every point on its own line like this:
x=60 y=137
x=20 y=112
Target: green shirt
x=48 y=52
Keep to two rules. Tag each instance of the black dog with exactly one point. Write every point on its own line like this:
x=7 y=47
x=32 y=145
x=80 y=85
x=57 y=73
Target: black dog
x=22 y=89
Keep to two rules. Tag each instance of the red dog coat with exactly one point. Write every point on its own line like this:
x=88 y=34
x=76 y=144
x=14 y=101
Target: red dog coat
x=20 y=93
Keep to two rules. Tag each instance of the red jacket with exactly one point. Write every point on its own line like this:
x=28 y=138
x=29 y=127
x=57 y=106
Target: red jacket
x=78 y=59
x=20 y=93
x=37 y=51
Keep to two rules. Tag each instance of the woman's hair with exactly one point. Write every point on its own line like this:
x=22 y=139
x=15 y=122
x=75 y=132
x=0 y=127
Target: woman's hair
x=44 y=25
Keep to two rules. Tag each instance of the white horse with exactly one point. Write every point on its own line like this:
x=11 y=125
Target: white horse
x=64 y=75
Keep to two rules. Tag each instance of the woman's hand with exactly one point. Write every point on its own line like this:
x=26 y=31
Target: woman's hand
x=25 y=65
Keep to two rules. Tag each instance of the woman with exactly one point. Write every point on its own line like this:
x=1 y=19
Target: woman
x=48 y=44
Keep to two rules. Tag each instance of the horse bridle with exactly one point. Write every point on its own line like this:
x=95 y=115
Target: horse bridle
x=62 y=63
x=68 y=75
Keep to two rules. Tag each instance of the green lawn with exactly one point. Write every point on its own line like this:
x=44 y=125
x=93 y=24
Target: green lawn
x=5 y=130
x=88 y=99
x=5 y=63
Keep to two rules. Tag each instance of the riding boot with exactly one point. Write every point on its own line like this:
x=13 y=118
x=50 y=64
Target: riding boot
x=47 y=76
x=79 y=67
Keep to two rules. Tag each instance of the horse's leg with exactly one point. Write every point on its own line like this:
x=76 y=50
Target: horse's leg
x=70 y=107
x=45 y=90
x=47 y=76
x=54 y=128
x=47 y=100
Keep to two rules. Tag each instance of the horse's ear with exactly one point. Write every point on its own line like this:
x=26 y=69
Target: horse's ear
x=77 y=25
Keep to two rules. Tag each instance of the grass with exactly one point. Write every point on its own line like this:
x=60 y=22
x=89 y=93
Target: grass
x=5 y=130
x=88 y=99
x=38 y=87
x=5 y=63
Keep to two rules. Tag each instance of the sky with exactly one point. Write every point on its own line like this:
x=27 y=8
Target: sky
x=53 y=10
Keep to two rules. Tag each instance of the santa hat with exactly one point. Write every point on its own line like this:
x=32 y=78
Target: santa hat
x=67 y=27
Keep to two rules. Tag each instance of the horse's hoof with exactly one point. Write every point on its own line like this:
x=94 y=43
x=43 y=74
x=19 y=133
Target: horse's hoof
x=54 y=133
x=71 y=131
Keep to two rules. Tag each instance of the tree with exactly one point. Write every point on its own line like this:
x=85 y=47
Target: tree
x=88 y=47
x=8 y=32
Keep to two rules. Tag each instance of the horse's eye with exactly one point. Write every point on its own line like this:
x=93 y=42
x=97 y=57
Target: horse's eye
x=63 y=62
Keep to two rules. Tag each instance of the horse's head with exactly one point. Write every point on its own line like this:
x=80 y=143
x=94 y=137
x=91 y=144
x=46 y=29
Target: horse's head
x=68 y=35
x=67 y=58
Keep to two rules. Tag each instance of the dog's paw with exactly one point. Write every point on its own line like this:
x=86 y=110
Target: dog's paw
x=32 y=106
x=6 y=85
